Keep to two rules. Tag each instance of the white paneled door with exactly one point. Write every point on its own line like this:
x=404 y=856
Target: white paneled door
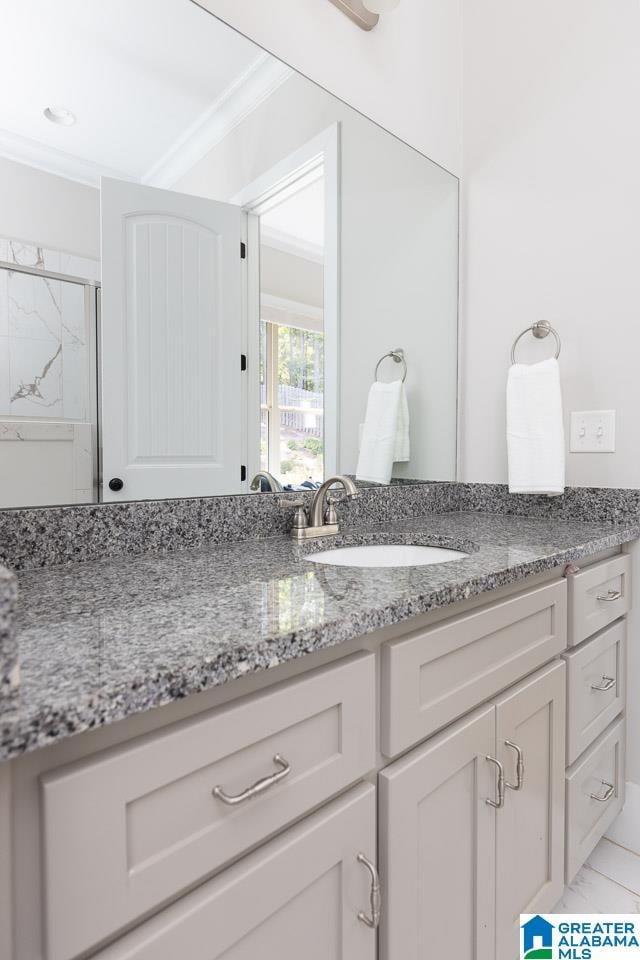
x=170 y=344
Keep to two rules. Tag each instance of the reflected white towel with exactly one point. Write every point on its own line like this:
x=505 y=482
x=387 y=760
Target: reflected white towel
x=385 y=434
x=535 y=432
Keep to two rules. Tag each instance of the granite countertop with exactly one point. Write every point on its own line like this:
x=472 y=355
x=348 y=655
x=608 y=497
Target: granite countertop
x=103 y=640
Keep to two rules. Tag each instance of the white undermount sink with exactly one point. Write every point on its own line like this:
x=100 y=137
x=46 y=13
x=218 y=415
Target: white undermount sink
x=386 y=555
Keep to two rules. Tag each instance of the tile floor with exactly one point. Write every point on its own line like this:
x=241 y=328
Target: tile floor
x=609 y=882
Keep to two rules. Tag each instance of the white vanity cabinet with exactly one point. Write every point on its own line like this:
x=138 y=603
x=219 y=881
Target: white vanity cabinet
x=466 y=849
x=437 y=846
x=130 y=828
x=530 y=723
x=599 y=600
x=437 y=778
x=297 y=897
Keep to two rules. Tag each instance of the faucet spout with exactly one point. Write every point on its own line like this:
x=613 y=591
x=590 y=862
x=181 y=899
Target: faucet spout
x=273 y=484
x=318 y=504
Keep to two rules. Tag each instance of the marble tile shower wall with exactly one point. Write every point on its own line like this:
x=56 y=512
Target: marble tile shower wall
x=44 y=335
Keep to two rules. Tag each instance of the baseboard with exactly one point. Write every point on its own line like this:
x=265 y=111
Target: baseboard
x=625 y=829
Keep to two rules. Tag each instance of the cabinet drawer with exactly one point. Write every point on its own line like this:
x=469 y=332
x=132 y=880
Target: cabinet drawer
x=298 y=896
x=600 y=773
x=598 y=595
x=438 y=674
x=596 y=687
x=131 y=828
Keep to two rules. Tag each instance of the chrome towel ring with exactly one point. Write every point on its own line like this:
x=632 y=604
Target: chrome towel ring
x=540 y=330
x=398 y=357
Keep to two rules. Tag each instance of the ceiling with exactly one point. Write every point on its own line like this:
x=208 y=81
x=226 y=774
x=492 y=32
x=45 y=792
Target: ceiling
x=154 y=84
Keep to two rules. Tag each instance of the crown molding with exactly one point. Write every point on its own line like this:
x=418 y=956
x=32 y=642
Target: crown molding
x=38 y=155
x=241 y=98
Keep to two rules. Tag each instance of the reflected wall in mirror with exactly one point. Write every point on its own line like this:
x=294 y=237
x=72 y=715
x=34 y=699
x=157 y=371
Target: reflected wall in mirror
x=203 y=257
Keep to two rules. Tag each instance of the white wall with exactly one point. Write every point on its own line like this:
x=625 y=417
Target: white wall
x=398 y=236
x=51 y=211
x=551 y=214
x=405 y=74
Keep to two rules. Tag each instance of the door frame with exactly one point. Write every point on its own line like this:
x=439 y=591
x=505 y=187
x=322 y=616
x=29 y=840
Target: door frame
x=256 y=198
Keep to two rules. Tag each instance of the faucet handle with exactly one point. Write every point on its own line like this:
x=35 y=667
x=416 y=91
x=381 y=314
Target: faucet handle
x=330 y=514
x=300 y=519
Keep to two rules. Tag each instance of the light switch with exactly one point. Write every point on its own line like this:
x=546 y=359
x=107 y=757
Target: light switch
x=593 y=431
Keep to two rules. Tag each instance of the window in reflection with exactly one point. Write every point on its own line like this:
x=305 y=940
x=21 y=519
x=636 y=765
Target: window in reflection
x=292 y=359
x=292 y=403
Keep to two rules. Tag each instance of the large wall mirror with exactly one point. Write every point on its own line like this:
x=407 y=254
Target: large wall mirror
x=205 y=262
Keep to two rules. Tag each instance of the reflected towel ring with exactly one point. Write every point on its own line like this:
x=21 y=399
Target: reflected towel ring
x=398 y=357
x=540 y=330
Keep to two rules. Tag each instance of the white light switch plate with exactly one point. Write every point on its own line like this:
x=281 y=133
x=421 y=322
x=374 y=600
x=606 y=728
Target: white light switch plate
x=593 y=431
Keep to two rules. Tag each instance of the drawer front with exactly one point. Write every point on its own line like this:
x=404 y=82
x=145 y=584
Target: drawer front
x=438 y=674
x=596 y=679
x=297 y=897
x=600 y=773
x=598 y=595
x=135 y=826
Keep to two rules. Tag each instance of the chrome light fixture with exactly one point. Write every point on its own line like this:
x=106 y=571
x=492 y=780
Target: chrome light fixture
x=365 y=13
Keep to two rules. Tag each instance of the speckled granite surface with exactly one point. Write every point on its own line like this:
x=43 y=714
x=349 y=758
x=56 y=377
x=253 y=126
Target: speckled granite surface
x=9 y=670
x=42 y=536
x=617 y=505
x=100 y=641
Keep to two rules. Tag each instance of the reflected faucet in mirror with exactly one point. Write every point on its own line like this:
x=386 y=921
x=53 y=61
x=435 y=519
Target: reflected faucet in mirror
x=322 y=518
x=265 y=482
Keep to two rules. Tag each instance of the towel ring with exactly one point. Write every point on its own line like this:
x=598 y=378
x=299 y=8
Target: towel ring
x=398 y=357
x=540 y=330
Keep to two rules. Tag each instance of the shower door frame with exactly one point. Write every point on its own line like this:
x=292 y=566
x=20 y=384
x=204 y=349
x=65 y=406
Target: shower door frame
x=92 y=310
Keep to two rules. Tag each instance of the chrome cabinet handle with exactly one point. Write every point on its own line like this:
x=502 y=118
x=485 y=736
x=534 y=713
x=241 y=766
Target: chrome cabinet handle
x=258 y=787
x=611 y=597
x=375 y=896
x=519 y=767
x=609 y=792
x=501 y=781
x=607 y=683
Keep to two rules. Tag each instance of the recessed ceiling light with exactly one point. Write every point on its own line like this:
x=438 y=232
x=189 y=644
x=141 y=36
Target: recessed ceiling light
x=60 y=115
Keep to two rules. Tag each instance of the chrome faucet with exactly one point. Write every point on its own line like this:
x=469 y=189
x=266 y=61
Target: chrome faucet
x=322 y=519
x=274 y=485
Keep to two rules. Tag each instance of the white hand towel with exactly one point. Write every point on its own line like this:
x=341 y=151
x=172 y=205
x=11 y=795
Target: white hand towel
x=402 y=451
x=535 y=432
x=385 y=434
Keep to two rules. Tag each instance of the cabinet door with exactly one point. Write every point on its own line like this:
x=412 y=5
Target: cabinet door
x=437 y=846
x=296 y=897
x=530 y=826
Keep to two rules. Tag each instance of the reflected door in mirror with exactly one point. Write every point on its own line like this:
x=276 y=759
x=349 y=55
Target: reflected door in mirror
x=171 y=344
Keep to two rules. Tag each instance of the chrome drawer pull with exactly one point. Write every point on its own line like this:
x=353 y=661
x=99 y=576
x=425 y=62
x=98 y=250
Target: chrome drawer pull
x=375 y=896
x=607 y=683
x=609 y=792
x=611 y=597
x=500 y=801
x=258 y=787
x=519 y=767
